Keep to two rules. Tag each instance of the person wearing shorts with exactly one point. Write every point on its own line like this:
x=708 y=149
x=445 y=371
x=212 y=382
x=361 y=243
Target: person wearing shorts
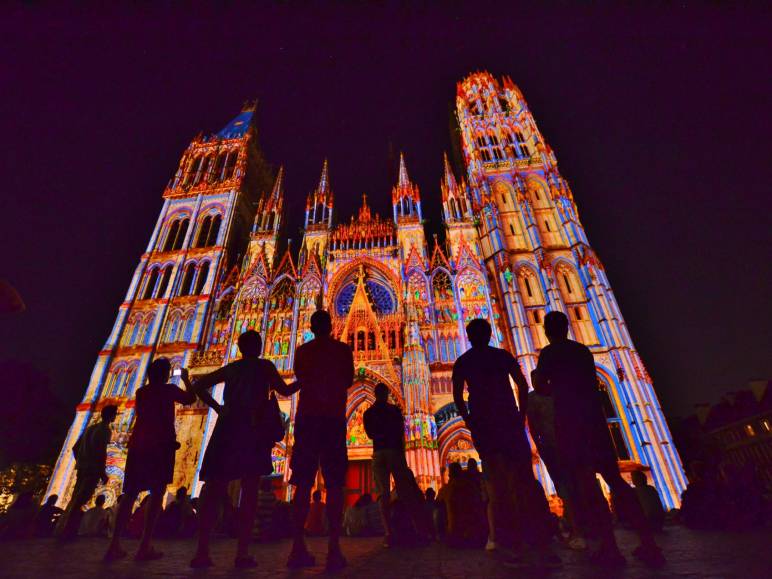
x=324 y=368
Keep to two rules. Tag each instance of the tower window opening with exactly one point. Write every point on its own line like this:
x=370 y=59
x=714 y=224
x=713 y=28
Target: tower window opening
x=578 y=313
x=150 y=285
x=528 y=287
x=195 y=164
x=203 y=273
x=214 y=230
x=187 y=279
x=568 y=284
x=392 y=340
x=219 y=165
x=503 y=199
x=453 y=208
x=547 y=225
x=511 y=229
x=164 y=282
x=230 y=164
x=370 y=341
x=207 y=166
x=183 y=231
x=203 y=231
x=360 y=340
x=536 y=317
x=171 y=235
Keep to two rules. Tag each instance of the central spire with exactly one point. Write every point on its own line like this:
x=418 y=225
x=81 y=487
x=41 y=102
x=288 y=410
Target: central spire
x=405 y=200
x=319 y=203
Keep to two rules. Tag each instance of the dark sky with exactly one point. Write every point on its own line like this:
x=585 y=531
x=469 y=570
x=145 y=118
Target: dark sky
x=659 y=119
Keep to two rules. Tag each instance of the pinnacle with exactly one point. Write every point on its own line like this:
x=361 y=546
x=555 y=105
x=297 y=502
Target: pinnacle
x=450 y=179
x=404 y=180
x=324 y=180
x=278 y=185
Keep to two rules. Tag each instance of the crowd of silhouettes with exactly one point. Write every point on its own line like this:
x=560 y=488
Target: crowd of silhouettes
x=502 y=509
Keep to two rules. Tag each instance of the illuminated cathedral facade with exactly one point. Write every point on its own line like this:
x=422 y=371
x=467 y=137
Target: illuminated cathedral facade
x=514 y=249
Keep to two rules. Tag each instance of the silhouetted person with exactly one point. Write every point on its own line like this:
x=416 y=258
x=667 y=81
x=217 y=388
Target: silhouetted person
x=178 y=519
x=566 y=371
x=325 y=371
x=541 y=425
x=516 y=502
x=240 y=447
x=95 y=519
x=431 y=508
x=150 y=460
x=90 y=453
x=47 y=517
x=316 y=522
x=19 y=521
x=385 y=426
x=649 y=499
x=466 y=522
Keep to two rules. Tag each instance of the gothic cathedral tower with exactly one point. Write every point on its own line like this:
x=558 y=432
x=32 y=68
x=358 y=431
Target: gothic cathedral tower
x=538 y=257
x=204 y=221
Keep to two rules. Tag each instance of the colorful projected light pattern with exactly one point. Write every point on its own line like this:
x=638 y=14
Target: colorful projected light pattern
x=513 y=250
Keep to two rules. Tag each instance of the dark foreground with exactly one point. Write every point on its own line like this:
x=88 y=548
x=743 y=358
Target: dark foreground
x=689 y=554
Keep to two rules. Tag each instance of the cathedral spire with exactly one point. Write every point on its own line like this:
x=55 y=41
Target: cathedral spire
x=403 y=180
x=277 y=193
x=319 y=202
x=455 y=204
x=324 y=180
x=405 y=198
x=448 y=179
x=269 y=208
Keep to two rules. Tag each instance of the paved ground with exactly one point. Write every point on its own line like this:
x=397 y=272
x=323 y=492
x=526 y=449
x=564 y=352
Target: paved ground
x=689 y=554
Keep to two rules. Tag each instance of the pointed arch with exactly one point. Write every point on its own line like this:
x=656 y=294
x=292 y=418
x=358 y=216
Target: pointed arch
x=167 y=274
x=203 y=231
x=214 y=231
x=529 y=285
x=187 y=279
x=150 y=283
x=201 y=277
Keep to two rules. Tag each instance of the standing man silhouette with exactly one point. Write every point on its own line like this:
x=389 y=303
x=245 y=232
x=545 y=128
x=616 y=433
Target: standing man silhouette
x=517 y=505
x=324 y=368
x=385 y=425
x=90 y=453
x=566 y=371
x=240 y=448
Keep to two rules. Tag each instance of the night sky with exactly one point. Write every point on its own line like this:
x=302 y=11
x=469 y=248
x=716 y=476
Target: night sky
x=659 y=120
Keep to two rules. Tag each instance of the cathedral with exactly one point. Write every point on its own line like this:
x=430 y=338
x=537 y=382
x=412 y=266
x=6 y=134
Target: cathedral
x=513 y=250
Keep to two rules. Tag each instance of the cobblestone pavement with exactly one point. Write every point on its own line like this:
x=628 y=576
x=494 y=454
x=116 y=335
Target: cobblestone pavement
x=689 y=554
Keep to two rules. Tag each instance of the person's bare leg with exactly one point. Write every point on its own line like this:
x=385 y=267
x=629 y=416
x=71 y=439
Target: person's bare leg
x=114 y=550
x=299 y=515
x=210 y=496
x=151 y=517
x=246 y=515
x=335 y=516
